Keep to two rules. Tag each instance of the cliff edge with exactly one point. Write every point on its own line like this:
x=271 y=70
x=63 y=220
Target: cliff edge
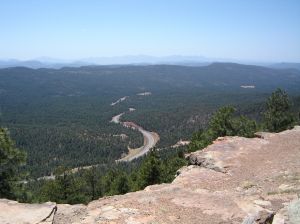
x=234 y=180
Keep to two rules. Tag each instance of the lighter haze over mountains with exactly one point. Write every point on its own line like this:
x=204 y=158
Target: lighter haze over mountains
x=261 y=31
x=45 y=62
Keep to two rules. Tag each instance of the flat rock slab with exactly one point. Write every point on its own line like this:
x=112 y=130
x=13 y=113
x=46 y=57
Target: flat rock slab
x=12 y=212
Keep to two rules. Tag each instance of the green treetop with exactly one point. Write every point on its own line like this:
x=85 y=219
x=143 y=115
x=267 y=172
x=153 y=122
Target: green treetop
x=278 y=116
x=10 y=160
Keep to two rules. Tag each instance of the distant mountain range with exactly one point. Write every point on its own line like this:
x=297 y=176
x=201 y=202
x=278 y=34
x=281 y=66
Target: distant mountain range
x=285 y=65
x=46 y=62
x=39 y=64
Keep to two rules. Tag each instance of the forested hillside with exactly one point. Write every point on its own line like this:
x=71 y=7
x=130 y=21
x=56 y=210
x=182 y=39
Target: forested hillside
x=62 y=117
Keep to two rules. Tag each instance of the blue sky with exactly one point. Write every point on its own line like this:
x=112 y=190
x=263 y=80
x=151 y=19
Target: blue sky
x=257 y=30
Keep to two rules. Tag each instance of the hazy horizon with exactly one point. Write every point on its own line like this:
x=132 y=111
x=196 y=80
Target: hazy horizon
x=255 y=31
x=143 y=59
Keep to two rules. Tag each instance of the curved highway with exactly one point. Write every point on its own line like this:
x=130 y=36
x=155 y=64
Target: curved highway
x=150 y=139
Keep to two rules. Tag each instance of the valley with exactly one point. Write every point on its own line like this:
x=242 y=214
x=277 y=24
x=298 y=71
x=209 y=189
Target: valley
x=61 y=117
x=144 y=112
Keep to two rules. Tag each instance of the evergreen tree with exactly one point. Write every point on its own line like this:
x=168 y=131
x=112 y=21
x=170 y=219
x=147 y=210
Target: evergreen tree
x=278 y=116
x=64 y=182
x=120 y=185
x=91 y=180
x=170 y=167
x=223 y=123
x=10 y=160
x=243 y=126
x=50 y=191
x=108 y=180
x=150 y=171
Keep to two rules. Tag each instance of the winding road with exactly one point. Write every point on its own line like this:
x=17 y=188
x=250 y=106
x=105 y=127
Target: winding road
x=150 y=139
x=116 y=119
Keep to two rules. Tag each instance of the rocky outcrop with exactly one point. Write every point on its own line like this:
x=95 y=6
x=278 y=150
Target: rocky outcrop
x=17 y=213
x=234 y=180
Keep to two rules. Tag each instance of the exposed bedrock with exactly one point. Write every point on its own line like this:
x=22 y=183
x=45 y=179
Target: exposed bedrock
x=234 y=180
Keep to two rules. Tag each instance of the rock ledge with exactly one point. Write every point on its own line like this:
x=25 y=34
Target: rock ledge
x=234 y=180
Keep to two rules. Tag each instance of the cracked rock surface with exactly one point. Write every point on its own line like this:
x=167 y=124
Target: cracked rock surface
x=234 y=180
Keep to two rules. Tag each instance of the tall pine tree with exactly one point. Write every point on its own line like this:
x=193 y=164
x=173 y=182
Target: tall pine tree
x=11 y=159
